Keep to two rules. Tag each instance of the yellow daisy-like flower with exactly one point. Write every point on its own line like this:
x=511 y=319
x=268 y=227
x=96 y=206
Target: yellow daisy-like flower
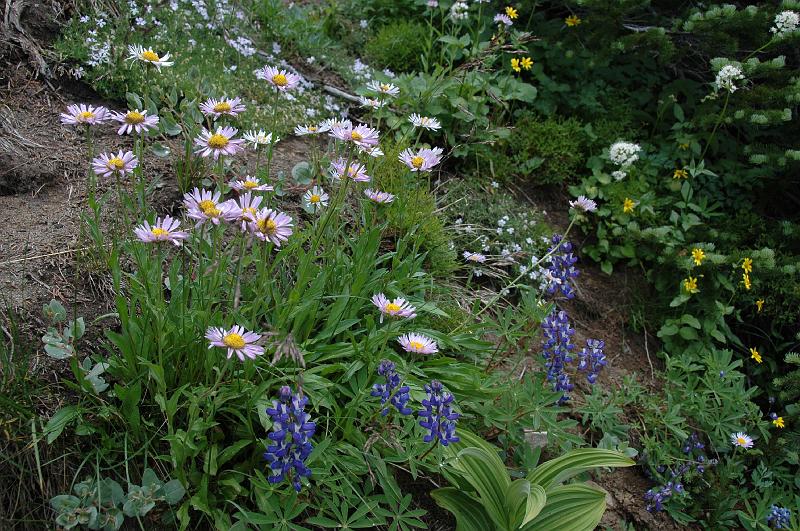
x=511 y=12
x=747 y=265
x=684 y=146
x=755 y=355
x=515 y=65
x=628 y=205
x=698 y=256
x=779 y=423
x=746 y=281
x=680 y=173
x=572 y=21
x=526 y=63
x=690 y=285
x=759 y=305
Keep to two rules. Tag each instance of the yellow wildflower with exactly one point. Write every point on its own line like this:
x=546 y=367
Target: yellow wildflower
x=683 y=146
x=515 y=65
x=747 y=265
x=572 y=21
x=680 y=173
x=778 y=422
x=511 y=12
x=690 y=285
x=759 y=305
x=627 y=205
x=698 y=256
x=526 y=63
x=755 y=355
x=746 y=280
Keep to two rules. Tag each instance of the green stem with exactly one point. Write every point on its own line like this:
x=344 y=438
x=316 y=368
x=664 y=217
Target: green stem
x=716 y=125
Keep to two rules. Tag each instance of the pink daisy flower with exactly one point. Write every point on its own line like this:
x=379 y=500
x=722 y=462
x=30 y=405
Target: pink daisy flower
x=742 y=440
x=418 y=344
x=271 y=225
x=250 y=184
x=422 y=160
x=205 y=205
x=282 y=80
x=361 y=135
x=219 y=143
x=222 y=107
x=120 y=164
x=584 y=204
x=135 y=121
x=246 y=209
x=83 y=114
x=237 y=340
x=163 y=230
x=396 y=308
x=378 y=196
x=357 y=171
x=502 y=18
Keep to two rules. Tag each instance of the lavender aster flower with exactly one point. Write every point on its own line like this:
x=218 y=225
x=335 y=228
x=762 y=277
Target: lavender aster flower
x=391 y=391
x=250 y=184
x=204 y=205
x=379 y=197
x=271 y=225
x=282 y=80
x=592 y=359
x=779 y=517
x=163 y=230
x=503 y=19
x=135 y=121
x=583 y=204
x=237 y=340
x=557 y=351
x=431 y=124
x=418 y=344
x=247 y=209
x=396 y=308
x=361 y=135
x=219 y=143
x=422 y=160
x=562 y=268
x=83 y=114
x=120 y=164
x=356 y=171
x=291 y=434
x=386 y=89
x=223 y=107
x=437 y=415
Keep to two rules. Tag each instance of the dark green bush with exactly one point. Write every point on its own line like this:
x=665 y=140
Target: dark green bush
x=397 y=46
x=544 y=151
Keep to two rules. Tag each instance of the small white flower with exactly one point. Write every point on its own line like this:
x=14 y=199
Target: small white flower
x=624 y=153
x=495 y=185
x=785 y=22
x=315 y=199
x=727 y=76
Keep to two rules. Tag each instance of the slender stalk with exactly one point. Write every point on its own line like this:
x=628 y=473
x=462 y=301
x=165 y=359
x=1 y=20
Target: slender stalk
x=716 y=125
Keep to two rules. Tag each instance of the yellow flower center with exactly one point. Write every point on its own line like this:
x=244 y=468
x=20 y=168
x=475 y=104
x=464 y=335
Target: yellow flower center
x=250 y=184
x=280 y=80
x=248 y=212
x=217 y=141
x=233 y=341
x=85 y=115
x=159 y=233
x=312 y=128
x=416 y=345
x=394 y=308
x=314 y=198
x=209 y=208
x=267 y=226
x=149 y=55
x=222 y=106
x=116 y=163
x=417 y=162
x=741 y=440
x=384 y=87
x=134 y=117
x=355 y=135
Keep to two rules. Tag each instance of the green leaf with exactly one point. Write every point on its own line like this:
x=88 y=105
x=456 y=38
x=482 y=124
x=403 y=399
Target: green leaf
x=524 y=501
x=574 y=507
x=558 y=470
x=173 y=491
x=470 y=514
x=55 y=426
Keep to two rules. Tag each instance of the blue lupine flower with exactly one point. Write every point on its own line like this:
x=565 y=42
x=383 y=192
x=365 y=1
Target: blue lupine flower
x=291 y=434
x=557 y=351
x=437 y=416
x=779 y=517
x=592 y=359
x=562 y=268
x=391 y=391
x=687 y=470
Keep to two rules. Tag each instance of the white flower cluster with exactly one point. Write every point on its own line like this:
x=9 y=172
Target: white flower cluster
x=727 y=77
x=786 y=22
x=459 y=11
x=243 y=45
x=624 y=155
